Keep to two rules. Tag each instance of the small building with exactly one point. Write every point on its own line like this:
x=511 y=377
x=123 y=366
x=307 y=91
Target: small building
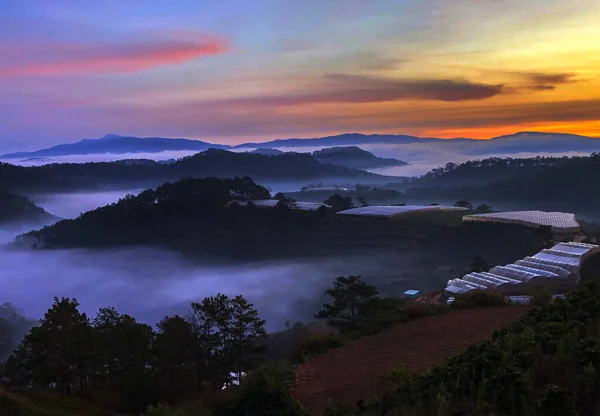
x=412 y=294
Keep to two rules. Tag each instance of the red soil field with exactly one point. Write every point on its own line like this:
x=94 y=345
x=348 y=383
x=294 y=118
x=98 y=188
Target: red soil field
x=353 y=372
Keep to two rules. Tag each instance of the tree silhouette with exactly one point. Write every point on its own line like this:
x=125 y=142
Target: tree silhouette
x=463 y=204
x=362 y=200
x=339 y=203
x=479 y=265
x=352 y=298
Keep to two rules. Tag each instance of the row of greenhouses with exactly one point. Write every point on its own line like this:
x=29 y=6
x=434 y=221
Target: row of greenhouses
x=556 y=268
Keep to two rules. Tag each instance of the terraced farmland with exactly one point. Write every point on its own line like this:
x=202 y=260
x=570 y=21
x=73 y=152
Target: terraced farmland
x=353 y=372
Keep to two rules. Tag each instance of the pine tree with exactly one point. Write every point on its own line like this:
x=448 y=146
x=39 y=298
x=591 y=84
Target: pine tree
x=352 y=298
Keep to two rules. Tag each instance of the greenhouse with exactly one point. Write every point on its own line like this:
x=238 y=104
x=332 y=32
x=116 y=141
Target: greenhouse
x=559 y=221
x=532 y=263
x=398 y=210
x=557 y=268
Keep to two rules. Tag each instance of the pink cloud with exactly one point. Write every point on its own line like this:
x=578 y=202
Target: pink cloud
x=69 y=58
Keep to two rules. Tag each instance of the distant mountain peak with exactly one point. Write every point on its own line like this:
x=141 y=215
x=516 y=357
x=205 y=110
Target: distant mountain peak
x=111 y=136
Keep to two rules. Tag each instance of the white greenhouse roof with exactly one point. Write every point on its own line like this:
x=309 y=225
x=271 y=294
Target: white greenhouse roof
x=396 y=210
x=543 y=266
x=558 y=263
x=569 y=248
x=556 y=257
x=501 y=279
x=562 y=221
x=553 y=261
x=521 y=275
x=536 y=271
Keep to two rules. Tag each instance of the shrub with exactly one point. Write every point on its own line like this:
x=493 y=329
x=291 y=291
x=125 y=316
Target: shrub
x=266 y=393
x=479 y=299
x=160 y=410
x=317 y=345
x=556 y=401
x=540 y=297
x=419 y=310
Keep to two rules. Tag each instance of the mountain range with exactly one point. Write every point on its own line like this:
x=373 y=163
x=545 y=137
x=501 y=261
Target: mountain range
x=533 y=142
x=288 y=167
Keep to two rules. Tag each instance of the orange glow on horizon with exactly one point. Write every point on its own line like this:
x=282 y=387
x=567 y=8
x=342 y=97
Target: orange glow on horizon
x=587 y=128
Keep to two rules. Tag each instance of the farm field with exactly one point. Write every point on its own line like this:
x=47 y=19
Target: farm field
x=353 y=372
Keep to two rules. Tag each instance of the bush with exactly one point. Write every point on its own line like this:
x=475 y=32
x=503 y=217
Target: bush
x=160 y=410
x=540 y=297
x=419 y=310
x=479 y=299
x=315 y=346
x=556 y=401
x=266 y=393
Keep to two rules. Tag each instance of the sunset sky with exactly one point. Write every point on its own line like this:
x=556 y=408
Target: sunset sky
x=231 y=71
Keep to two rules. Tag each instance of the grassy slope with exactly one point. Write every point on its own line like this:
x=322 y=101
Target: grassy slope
x=46 y=403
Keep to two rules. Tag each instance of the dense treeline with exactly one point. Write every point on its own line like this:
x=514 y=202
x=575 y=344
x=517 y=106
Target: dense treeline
x=354 y=157
x=494 y=169
x=132 y=365
x=134 y=173
x=570 y=183
x=191 y=215
x=214 y=354
x=14 y=208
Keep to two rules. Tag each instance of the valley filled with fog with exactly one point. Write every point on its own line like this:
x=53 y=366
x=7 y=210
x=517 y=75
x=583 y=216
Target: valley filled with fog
x=422 y=157
x=150 y=283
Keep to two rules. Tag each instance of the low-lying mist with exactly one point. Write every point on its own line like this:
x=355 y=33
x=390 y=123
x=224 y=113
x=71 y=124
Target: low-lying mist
x=422 y=156
x=70 y=205
x=151 y=283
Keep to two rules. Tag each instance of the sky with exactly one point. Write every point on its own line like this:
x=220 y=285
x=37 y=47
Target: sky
x=232 y=71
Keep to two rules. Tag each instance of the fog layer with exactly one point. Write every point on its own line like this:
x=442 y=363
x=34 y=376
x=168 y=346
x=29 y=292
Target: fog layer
x=422 y=156
x=151 y=283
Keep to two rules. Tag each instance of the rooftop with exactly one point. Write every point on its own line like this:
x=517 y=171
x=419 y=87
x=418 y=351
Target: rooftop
x=397 y=210
x=564 y=221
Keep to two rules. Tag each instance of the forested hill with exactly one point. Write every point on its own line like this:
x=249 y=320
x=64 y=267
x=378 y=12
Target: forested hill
x=190 y=214
x=490 y=170
x=571 y=182
x=18 y=209
x=354 y=157
x=148 y=173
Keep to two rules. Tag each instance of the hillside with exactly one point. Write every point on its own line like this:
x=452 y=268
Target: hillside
x=481 y=172
x=268 y=152
x=190 y=216
x=19 y=209
x=300 y=167
x=544 y=364
x=355 y=158
x=40 y=403
x=568 y=183
x=112 y=143
x=418 y=344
